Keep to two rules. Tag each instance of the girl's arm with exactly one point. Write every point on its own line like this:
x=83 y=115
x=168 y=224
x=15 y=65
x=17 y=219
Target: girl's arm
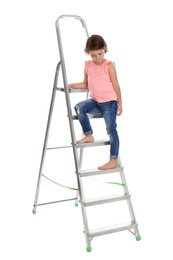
x=116 y=86
x=83 y=84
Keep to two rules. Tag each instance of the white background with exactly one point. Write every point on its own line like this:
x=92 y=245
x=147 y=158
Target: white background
x=139 y=38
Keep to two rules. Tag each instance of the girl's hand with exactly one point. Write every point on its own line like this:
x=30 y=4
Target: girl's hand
x=70 y=86
x=119 y=110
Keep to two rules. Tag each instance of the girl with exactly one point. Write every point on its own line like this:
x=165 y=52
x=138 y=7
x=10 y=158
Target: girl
x=105 y=96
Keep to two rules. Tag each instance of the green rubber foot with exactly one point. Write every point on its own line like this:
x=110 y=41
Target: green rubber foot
x=34 y=211
x=76 y=204
x=89 y=249
x=138 y=238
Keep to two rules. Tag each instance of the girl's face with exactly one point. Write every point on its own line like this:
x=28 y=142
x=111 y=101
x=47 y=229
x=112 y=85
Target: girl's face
x=97 y=56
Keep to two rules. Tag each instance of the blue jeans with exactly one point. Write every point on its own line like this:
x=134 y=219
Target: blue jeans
x=108 y=110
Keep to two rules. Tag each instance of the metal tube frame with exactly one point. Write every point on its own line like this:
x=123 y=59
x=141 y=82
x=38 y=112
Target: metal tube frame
x=46 y=136
x=75 y=153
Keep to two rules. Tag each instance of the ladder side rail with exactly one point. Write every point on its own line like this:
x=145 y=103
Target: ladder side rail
x=46 y=135
x=64 y=74
x=65 y=80
x=129 y=203
x=85 y=222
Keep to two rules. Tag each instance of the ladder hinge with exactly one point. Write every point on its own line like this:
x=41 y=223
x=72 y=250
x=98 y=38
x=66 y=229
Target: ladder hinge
x=73 y=144
x=134 y=222
x=88 y=233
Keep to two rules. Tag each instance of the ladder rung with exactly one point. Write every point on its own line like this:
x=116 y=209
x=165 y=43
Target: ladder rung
x=89 y=115
x=111 y=229
x=92 y=172
x=73 y=90
x=107 y=199
x=95 y=143
x=77 y=90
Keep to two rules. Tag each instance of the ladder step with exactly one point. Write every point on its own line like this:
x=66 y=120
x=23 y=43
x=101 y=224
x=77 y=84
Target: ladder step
x=95 y=143
x=92 y=172
x=107 y=199
x=73 y=90
x=74 y=117
x=111 y=229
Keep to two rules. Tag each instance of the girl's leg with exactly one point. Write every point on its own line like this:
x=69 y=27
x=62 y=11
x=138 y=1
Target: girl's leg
x=109 y=111
x=83 y=108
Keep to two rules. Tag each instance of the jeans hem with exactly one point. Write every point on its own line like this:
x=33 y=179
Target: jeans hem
x=88 y=133
x=113 y=157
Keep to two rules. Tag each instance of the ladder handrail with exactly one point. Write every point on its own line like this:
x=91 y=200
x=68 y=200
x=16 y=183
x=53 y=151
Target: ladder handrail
x=61 y=53
x=75 y=17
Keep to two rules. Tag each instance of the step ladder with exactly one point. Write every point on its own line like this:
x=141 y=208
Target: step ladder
x=78 y=150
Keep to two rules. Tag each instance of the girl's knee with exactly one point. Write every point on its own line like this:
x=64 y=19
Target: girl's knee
x=76 y=108
x=79 y=108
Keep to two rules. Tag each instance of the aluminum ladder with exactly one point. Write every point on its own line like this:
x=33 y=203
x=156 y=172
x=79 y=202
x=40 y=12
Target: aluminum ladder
x=78 y=149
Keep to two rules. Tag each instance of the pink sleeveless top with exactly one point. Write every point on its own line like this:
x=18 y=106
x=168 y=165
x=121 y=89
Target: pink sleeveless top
x=99 y=83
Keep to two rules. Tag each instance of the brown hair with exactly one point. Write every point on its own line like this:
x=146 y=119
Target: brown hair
x=95 y=42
